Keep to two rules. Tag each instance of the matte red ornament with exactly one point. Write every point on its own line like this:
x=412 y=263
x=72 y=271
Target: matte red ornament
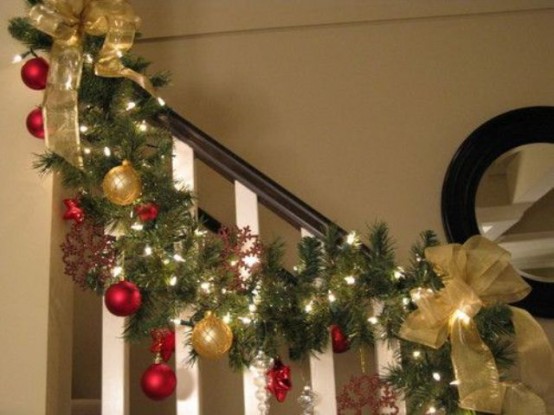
x=147 y=211
x=158 y=381
x=339 y=340
x=73 y=211
x=34 y=73
x=123 y=298
x=35 y=123
x=163 y=343
x=278 y=380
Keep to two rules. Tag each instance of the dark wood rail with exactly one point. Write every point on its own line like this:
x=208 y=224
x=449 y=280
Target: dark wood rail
x=225 y=162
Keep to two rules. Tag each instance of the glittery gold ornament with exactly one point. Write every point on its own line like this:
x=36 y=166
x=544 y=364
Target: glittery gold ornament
x=122 y=184
x=211 y=337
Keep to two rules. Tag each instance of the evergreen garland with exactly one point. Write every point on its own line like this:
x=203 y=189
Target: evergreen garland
x=177 y=264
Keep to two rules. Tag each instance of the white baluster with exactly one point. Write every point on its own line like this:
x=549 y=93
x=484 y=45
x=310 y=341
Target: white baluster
x=385 y=355
x=322 y=371
x=246 y=204
x=115 y=366
x=188 y=378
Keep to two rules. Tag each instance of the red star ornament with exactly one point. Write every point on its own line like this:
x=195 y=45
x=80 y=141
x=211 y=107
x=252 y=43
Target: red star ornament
x=278 y=380
x=73 y=211
x=163 y=342
x=147 y=211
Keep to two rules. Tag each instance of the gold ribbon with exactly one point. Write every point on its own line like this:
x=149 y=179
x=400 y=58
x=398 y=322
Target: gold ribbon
x=67 y=21
x=478 y=273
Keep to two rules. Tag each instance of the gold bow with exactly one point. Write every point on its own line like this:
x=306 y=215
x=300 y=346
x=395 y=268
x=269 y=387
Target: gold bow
x=478 y=273
x=67 y=21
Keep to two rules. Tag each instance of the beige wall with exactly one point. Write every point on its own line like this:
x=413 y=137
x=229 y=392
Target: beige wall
x=25 y=225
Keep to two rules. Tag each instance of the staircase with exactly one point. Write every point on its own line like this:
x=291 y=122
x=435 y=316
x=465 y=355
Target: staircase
x=251 y=187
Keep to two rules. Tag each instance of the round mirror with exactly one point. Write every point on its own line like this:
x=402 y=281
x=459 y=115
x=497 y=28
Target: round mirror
x=514 y=207
x=500 y=183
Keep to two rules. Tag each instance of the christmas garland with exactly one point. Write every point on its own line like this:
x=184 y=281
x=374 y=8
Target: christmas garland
x=135 y=240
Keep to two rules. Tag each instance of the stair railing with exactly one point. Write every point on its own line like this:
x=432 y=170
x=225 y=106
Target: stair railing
x=251 y=187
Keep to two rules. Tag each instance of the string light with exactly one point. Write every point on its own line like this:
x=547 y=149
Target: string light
x=406 y=301
x=178 y=258
x=252 y=308
x=206 y=287
x=227 y=318
x=143 y=126
x=86 y=150
x=373 y=320
x=309 y=307
x=147 y=250
x=352 y=239
x=116 y=271
x=461 y=315
x=350 y=280
x=399 y=273
x=416 y=354
x=332 y=297
x=431 y=410
x=437 y=376
x=137 y=226
x=245 y=320
x=83 y=128
x=88 y=58
x=173 y=281
x=130 y=105
x=161 y=102
x=17 y=58
x=107 y=152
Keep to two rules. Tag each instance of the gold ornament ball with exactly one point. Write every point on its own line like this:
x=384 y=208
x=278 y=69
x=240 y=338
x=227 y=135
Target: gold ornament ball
x=122 y=184
x=211 y=337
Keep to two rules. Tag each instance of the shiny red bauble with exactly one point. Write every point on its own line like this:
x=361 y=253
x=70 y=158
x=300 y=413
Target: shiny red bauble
x=123 y=298
x=158 y=381
x=35 y=123
x=339 y=340
x=34 y=73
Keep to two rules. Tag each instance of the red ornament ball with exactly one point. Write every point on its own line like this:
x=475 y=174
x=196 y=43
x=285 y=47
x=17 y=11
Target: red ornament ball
x=123 y=298
x=35 y=123
x=34 y=73
x=158 y=381
x=339 y=340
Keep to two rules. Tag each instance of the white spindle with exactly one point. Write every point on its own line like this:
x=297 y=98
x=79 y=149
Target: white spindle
x=322 y=372
x=246 y=205
x=188 y=378
x=115 y=366
x=385 y=355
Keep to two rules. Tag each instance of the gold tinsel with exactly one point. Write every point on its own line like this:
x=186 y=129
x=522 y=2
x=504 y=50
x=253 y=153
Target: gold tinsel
x=122 y=184
x=211 y=337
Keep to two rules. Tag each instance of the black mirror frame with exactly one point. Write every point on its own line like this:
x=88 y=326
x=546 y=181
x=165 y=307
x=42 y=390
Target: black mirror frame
x=483 y=146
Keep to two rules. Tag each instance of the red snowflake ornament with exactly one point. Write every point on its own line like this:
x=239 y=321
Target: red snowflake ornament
x=88 y=255
x=241 y=254
x=367 y=392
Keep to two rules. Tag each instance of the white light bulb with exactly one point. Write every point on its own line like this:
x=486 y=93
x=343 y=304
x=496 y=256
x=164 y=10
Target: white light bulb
x=173 y=281
x=432 y=410
x=309 y=307
x=332 y=297
x=350 y=280
x=83 y=128
x=147 y=250
x=437 y=376
x=17 y=58
x=88 y=58
x=406 y=301
x=352 y=238
x=416 y=354
x=205 y=287
x=399 y=273
x=107 y=152
x=86 y=150
x=143 y=126
x=116 y=271
x=373 y=320
x=227 y=318
x=252 y=308
x=137 y=226
x=161 y=102
x=130 y=105
x=178 y=258
x=246 y=320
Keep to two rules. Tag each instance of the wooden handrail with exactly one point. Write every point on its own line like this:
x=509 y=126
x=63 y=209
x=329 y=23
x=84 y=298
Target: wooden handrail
x=232 y=167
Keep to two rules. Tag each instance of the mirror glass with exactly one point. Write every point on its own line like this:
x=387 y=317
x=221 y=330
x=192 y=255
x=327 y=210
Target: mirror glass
x=514 y=206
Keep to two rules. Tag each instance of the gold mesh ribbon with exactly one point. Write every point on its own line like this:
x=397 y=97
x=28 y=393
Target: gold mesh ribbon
x=67 y=21
x=478 y=273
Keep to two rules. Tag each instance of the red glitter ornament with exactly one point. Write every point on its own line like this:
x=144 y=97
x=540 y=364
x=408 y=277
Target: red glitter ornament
x=241 y=254
x=278 y=380
x=163 y=343
x=158 y=381
x=339 y=340
x=89 y=255
x=34 y=73
x=123 y=298
x=73 y=211
x=147 y=211
x=367 y=392
x=35 y=123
